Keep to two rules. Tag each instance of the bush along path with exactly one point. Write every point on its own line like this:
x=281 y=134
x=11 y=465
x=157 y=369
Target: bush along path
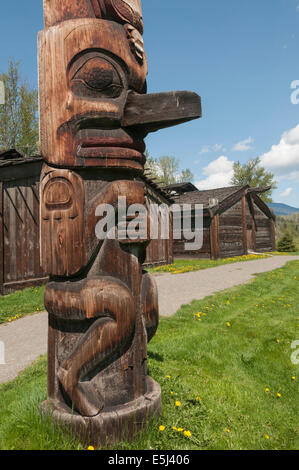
x=226 y=371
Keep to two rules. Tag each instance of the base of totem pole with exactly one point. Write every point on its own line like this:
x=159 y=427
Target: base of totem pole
x=115 y=424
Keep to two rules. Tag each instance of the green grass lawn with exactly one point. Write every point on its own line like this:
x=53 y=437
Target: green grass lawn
x=225 y=360
x=21 y=303
x=186 y=265
x=31 y=300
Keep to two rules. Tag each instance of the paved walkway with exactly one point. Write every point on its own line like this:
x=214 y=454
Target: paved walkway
x=26 y=339
x=176 y=290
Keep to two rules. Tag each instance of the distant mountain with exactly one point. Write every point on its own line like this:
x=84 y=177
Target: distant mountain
x=282 y=209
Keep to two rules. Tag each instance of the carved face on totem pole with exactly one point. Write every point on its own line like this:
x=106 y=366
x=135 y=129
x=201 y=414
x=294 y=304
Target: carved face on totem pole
x=97 y=64
x=94 y=116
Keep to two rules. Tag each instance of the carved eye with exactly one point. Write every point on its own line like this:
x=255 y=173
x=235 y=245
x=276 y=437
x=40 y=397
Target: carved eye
x=100 y=78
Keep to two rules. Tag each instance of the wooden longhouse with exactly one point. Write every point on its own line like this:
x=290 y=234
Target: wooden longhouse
x=20 y=222
x=236 y=221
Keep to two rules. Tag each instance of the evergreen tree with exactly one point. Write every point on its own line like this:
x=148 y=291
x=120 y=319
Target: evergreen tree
x=286 y=244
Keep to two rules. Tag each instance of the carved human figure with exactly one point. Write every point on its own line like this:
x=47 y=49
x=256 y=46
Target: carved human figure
x=94 y=116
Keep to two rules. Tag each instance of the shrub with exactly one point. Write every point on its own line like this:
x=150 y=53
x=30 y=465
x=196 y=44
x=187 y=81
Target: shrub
x=286 y=243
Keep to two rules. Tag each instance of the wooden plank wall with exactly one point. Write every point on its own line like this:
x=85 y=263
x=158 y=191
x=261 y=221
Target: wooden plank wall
x=264 y=231
x=214 y=237
x=20 y=246
x=1 y=240
x=231 y=232
x=19 y=233
x=159 y=252
x=204 y=252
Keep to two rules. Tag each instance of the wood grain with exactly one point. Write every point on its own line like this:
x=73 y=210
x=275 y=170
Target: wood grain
x=103 y=308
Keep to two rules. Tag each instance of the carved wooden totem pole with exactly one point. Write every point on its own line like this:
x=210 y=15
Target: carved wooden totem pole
x=103 y=308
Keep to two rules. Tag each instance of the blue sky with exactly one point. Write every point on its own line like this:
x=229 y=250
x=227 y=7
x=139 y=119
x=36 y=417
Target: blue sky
x=241 y=56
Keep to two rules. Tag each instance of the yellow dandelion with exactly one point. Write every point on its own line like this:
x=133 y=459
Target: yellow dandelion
x=228 y=324
x=198 y=398
x=178 y=403
x=187 y=434
x=278 y=395
x=278 y=341
x=171 y=393
x=161 y=428
x=293 y=378
x=227 y=430
x=175 y=428
x=267 y=390
x=266 y=436
x=90 y=448
x=180 y=429
x=168 y=376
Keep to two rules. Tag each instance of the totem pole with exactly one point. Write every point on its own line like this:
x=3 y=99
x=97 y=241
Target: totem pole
x=103 y=308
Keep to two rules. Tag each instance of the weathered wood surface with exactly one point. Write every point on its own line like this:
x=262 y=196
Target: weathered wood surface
x=159 y=110
x=215 y=237
x=205 y=251
x=19 y=227
x=103 y=308
x=1 y=239
x=264 y=237
x=239 y=222
x=244 y=225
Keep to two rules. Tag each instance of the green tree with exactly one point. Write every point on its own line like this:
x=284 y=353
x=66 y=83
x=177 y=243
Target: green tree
x=169 y=169
x=18 y=115
x=186 y=176
x=166 y=170
x=255 y=175
x=286 y=244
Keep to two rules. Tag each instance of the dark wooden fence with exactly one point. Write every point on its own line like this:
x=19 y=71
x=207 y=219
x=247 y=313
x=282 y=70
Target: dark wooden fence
x=19 y=224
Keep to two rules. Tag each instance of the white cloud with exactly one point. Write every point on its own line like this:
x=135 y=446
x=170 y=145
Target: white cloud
x=218 y=148
x=286 y=193
x=243 y=146
x=283 y=158
x=218 y=174
x=212 y=148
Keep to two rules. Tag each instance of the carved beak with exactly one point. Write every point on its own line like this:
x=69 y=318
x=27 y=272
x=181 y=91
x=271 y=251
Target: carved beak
x=152 y=112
